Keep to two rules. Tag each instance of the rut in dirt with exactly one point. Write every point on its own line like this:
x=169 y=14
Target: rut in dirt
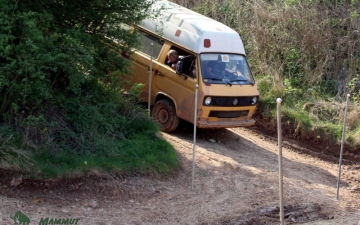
x=293 y=214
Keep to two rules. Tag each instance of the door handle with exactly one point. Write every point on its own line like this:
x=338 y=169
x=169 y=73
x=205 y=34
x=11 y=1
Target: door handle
x=161 y=75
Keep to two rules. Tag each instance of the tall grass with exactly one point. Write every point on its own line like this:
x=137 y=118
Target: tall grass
x=142 y=153
x=99 y=130
x=12 y=156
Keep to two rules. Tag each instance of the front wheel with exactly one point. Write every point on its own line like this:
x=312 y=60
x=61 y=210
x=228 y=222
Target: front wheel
x=165 y=115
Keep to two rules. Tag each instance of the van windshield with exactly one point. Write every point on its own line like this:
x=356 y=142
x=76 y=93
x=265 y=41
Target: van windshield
x=225 y=69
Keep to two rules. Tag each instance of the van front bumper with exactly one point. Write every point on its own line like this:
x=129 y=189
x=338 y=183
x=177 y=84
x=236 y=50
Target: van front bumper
x=225 y=124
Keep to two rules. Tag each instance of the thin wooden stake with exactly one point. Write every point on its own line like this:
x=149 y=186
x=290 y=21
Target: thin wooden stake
x=342 y=146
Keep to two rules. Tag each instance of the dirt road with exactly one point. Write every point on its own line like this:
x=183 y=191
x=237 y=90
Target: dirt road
x=236 y=182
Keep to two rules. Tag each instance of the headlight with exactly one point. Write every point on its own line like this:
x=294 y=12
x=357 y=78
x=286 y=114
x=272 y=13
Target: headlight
x=254 y=100
x=207 y=101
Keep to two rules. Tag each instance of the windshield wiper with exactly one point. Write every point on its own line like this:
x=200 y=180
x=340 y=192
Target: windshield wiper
x=228 y=82
x=216 y=79
x=238 y=80
x=252 y=83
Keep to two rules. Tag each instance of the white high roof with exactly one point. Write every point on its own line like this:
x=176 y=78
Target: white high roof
x=189 y=29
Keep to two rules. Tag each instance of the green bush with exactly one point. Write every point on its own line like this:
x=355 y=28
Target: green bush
x=58 y=102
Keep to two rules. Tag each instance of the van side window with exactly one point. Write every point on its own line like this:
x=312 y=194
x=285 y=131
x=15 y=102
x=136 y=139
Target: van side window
x=188 y=65
x=187 y=62
x=145 y=47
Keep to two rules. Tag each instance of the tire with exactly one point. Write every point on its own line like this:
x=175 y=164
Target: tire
x=164 y=114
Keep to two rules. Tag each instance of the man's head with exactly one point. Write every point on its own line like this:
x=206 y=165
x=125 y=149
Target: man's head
x=173 y=55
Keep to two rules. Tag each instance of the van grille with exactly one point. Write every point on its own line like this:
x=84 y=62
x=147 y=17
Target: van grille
x=229 y=101
x=228 y=114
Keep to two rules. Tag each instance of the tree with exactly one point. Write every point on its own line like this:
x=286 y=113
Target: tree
x=51 y=50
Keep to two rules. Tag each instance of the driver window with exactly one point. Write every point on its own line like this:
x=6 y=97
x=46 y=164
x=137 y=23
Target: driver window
x=186 y=59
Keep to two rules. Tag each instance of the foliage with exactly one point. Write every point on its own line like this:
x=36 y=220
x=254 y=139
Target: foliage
x=354 y=89
x=58 y=103
x=10 y=155
x=52 y=48
x=108 y=136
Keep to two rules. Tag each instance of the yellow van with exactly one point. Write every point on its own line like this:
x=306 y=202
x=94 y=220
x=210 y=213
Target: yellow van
x=212 y=59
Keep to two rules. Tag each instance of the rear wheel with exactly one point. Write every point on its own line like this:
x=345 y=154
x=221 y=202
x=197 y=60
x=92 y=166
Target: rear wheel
x=165 y=115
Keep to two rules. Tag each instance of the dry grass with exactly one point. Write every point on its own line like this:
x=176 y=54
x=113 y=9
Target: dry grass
x=353 y=117
x=12 y=157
